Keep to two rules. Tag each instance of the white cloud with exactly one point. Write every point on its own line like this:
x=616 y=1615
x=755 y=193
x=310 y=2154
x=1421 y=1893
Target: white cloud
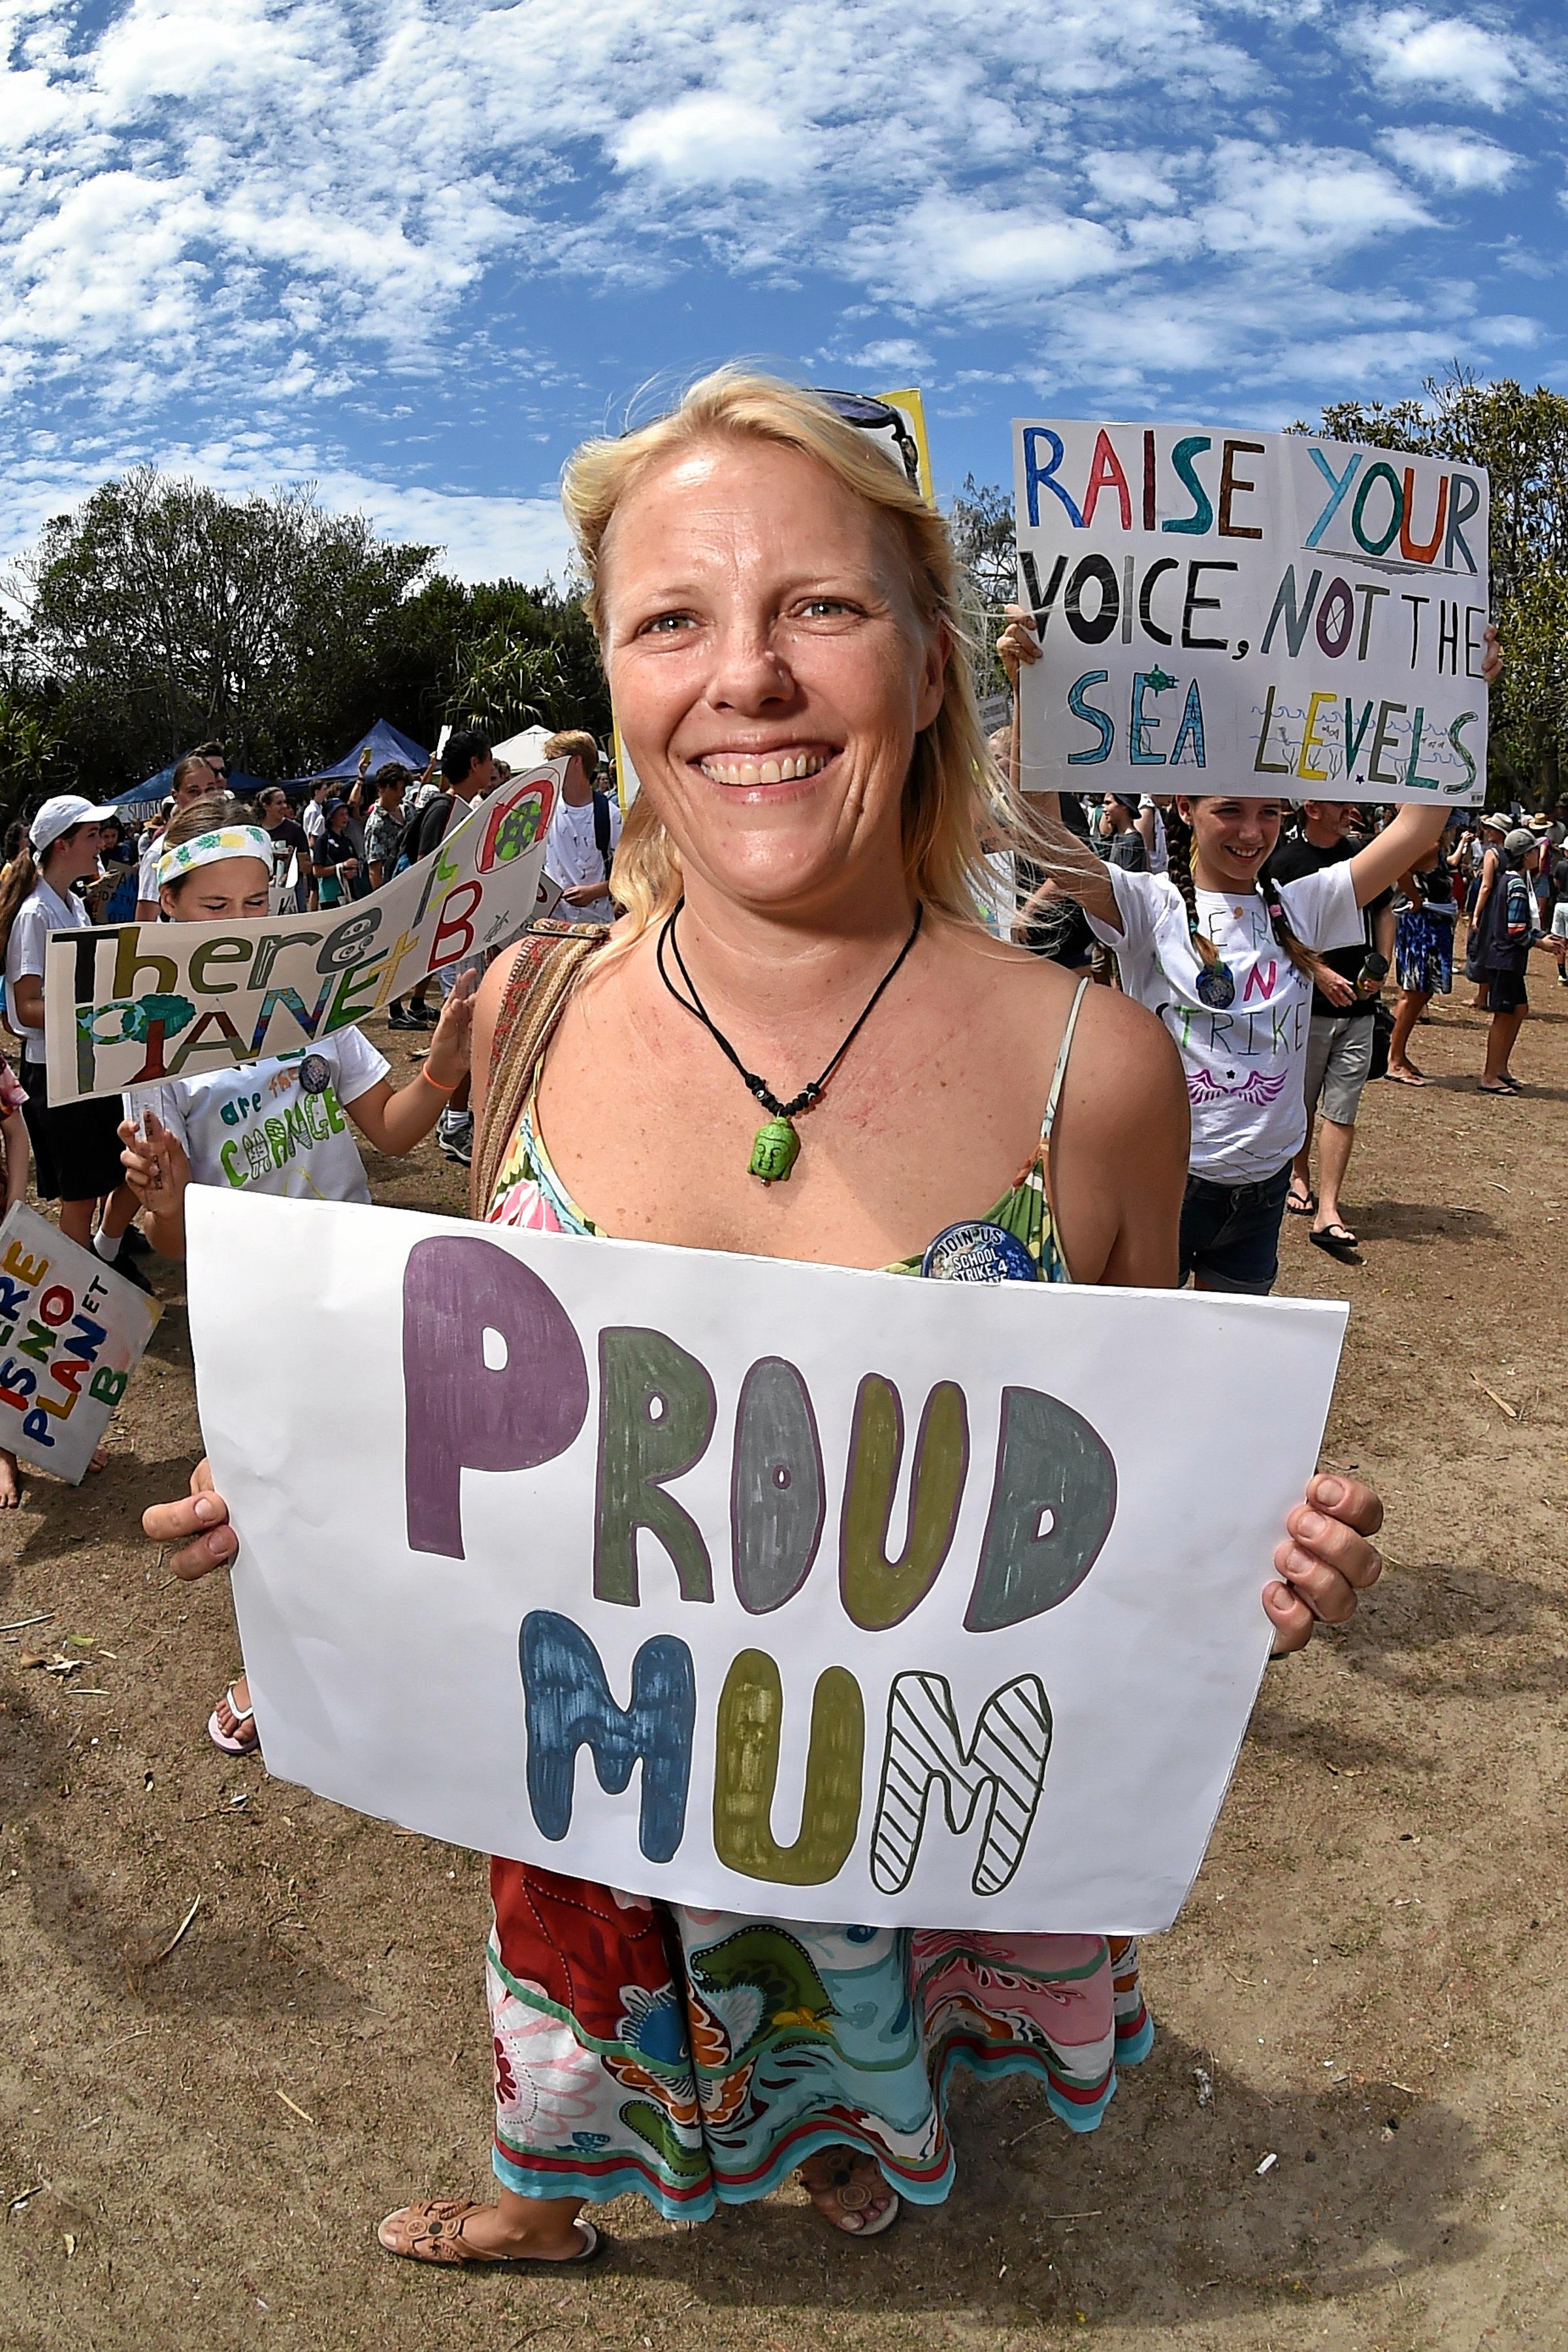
x=945 y=249
x=1446 y=158
x=712 y=140
x=1470 y=62
x=482 y=537
x=1130 y=181
x=1298 y=202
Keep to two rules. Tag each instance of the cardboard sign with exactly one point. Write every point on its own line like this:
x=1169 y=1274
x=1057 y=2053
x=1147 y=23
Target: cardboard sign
x=916 y=1602
x=1259 y=613
x=71 y=1333
x=129 y=1005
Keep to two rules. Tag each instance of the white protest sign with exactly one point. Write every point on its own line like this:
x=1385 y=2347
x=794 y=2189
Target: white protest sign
x=128 y=1005
x=71 y=1333
x=914 y=1602
x=1261 y=613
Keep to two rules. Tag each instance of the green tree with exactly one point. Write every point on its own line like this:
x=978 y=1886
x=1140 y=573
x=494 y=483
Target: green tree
x=165 y=612
x=980 y=518
x=1521 y=439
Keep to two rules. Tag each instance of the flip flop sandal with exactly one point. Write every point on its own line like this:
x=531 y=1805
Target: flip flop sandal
x=1301 y=1204
x=1338 y=1240
x=231 y=1744
x=432 y=2231
x=1406 y=1078
x=852 y=2198
x=1482 y=1088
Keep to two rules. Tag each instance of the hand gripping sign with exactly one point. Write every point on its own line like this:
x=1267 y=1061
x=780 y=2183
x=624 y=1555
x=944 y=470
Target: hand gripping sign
x=1263 y=613
x=770 y=1588
x=137 y=1002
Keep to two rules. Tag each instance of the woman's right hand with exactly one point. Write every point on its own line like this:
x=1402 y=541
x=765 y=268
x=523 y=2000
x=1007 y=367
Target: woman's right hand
x=1017 y=645
x=157 y=1166
x=198 y=1523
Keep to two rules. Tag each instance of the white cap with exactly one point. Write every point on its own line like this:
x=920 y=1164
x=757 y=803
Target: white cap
x=58 y=815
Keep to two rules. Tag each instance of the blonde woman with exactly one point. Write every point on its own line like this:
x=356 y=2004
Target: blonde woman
x=777 y=613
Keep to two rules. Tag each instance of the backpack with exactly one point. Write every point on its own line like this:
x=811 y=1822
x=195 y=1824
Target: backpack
x=427 y=829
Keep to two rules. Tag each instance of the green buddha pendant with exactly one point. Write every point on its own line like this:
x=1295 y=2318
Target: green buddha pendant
x=775 y=1152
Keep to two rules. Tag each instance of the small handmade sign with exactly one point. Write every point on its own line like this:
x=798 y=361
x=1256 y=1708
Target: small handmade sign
x=927 y=1603
x=71 y=1333
x=1263 y=613
x=131 y=1004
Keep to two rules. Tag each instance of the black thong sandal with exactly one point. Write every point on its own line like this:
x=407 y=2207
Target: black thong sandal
x=1338 y=1240
x=1301 y=1204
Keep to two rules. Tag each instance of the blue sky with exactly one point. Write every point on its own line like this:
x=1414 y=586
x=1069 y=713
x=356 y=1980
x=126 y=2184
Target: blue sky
x=413 y=250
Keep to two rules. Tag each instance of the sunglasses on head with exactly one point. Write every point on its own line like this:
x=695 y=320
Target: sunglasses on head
x=871 y=415
x=868 y=415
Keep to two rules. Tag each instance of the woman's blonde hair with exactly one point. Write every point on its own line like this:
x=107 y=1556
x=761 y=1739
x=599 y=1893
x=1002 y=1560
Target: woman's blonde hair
x=953 y=780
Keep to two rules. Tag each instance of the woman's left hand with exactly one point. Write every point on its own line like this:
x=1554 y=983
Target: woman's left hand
x=1325 y=1560
x=1492 y=660
x=450 y=1045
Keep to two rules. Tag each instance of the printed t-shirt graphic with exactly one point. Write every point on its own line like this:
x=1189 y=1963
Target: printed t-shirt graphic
x=275 y=1126
x=1244 y=1065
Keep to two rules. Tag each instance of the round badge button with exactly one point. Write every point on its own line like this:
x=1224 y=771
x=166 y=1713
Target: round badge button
x=315 y=1074
x=978 y=1252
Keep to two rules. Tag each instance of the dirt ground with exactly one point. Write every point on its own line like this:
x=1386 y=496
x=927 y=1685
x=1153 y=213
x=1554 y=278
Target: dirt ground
x=194 y=2148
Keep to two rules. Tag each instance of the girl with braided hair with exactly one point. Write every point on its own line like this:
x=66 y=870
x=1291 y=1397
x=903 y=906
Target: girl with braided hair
x=1224 y=956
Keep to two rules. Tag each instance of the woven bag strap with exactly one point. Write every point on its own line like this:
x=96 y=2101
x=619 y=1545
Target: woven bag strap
x=548 y=967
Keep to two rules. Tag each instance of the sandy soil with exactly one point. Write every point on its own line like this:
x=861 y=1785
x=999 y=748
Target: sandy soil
x=194 y=2148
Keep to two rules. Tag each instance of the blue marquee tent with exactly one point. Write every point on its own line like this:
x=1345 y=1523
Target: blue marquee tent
x=383 y=742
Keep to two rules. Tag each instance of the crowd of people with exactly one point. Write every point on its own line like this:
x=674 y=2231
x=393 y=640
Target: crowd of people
x=810 y=880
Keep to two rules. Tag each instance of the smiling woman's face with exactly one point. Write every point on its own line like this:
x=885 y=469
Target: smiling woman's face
x=768 y=668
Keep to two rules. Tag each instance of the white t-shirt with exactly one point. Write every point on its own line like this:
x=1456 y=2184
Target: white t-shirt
x=274 y=1127
x=313 y=817
x=1245 y=1064
x=42 y=911
x=572 y=855
x=147 y=873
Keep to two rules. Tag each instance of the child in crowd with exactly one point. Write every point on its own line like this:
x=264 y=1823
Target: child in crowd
x=277 y=1126
x=75 y=1148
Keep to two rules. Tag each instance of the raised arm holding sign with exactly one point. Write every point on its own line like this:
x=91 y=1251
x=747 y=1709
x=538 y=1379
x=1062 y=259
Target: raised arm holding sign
x=810 y=1551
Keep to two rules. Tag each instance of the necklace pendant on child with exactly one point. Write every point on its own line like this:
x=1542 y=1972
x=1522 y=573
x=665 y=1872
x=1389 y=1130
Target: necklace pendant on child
x=774 y=1151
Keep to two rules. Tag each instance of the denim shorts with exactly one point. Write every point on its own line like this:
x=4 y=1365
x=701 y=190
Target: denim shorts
x=1230 y=1233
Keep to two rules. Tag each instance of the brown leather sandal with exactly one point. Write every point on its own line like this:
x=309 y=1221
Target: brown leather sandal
x=850 y=2184
x=432 y=2231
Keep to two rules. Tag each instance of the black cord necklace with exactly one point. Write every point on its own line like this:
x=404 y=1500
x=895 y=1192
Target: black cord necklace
x=778 y=1145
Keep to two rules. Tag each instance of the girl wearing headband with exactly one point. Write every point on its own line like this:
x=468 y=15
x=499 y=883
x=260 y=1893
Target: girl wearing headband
x=1226 y=956
x=279 y=1125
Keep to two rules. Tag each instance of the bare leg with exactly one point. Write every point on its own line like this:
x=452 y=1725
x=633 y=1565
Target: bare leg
x=118 y=1212
x=1300 y=1195
x=1334 y=1143
x=10 y=1480
x=1407 y=1010
x=1505 y=1027
x=76 y=1220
